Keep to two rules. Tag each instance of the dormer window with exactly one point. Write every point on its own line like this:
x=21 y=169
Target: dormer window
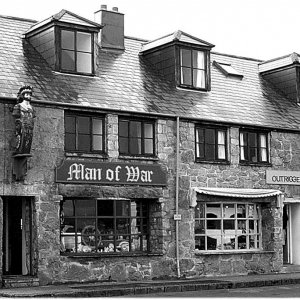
x=193 y=69
x=76 y=51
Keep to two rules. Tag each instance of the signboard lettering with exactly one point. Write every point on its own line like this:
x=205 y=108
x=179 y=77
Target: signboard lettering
x=283 y=177
x=74 y=171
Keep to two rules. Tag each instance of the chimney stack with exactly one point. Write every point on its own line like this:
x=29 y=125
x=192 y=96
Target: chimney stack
x=112 y=34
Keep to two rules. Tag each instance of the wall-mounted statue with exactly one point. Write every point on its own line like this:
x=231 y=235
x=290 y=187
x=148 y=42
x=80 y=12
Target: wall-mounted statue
x=24 y=115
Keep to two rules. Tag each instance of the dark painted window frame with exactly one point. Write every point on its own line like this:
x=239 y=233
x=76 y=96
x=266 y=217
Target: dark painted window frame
x=143 y=122
x=216 y=143
x=58 y=34
x=76 y=115
x=206 y=52
x=259 y=148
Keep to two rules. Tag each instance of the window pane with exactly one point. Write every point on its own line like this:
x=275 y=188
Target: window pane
x=70 y=141
x=200 y=227
x=200 y=242
x=229 y=224
x=122 y=208
x=148 y=130
x=135 y=129
x=148 y=146
x=263 y=140
x=228 y=210
x=199 y=78
x=186 y=58
x=84 y=42
x=252 y=139
x=253 y=154
x=85 y=208
x=70 y=124
x=213 y=224
x=213 y=210
x=68 y=60
x=84 y=62
x=210 y=152
x=209 y=136
x=105 y=208
x=67 y=39
x=199 y=212
x=97 y=126
x=123 y=145
x=84 y=142
x=68 y=207
x=122 y=227
x=198 y=60
x=186 y=76
x=123 y=128
x=221 y=152
x=135 y=146
x=241 y=211
x=97 y=143
x=83 y=124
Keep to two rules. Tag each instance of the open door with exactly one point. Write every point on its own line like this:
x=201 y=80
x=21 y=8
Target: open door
x=17 y=235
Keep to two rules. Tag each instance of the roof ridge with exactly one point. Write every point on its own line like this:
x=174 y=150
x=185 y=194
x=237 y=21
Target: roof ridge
x=18 y=18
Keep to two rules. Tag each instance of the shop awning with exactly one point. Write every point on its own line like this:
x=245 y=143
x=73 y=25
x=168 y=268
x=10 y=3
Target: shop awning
x=231 y=192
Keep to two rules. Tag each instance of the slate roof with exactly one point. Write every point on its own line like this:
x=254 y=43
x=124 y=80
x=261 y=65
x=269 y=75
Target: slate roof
x=126 y=82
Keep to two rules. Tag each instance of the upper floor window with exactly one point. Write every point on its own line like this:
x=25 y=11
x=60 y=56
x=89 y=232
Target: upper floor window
x=76 y=54
x=228 y=226
x=84 y=133
x=104 y=226
x=253 y=147
x=136 y=137
x=211 y=143
x=193 y=69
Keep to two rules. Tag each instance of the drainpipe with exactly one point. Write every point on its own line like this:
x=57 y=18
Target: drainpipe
x=177 y=217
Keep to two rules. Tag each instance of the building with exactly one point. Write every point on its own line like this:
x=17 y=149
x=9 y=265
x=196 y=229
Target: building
x=148 y=159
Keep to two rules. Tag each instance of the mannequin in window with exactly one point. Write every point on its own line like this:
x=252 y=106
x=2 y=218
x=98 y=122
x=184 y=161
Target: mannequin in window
x=24 y=115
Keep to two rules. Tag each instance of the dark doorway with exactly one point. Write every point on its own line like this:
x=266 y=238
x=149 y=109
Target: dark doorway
x=16 y=235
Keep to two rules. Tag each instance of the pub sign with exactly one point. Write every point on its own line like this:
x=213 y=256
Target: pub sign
x=88 y=171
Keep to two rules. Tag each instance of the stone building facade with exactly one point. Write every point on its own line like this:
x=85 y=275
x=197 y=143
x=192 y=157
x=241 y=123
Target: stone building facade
x=198 y=217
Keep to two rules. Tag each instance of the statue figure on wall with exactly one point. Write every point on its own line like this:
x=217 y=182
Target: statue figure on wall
x=24 y=115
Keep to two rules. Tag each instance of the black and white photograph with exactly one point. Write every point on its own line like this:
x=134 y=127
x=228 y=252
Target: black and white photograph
x=149 y=149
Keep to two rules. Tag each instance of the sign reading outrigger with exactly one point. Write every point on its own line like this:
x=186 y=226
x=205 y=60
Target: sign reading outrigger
x=283 y=177
x=72 y=171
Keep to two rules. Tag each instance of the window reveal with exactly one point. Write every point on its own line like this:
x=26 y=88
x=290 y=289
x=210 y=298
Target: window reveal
x=109 y=226
x=136 y=137
x=253 y=147
x=76 y=51
x=84 y=133
x=227 y=226
x=211 y=144
x=193 y=70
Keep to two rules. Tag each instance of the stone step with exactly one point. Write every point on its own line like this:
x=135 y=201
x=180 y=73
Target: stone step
x=19 y=281
x=289 y=268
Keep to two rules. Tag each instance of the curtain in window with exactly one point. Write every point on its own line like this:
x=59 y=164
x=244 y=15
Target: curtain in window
x=221 y=145
x=263 y=147
x=199 y=69
x=242 y=146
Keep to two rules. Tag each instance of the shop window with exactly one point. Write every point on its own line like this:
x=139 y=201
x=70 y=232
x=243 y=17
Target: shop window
x=84 y=133
x=227 y=226
x=76 y=52
x=136 y=137
x=211 y=144
x=104 y=226
x=193 y=69
x=253 y=147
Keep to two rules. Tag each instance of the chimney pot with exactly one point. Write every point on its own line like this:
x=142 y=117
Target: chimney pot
x=104 y=6
x=115 y=8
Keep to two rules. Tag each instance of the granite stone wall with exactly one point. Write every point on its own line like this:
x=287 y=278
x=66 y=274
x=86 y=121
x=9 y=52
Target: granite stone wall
x=48 y=153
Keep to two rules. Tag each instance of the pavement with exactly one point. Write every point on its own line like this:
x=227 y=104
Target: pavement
x=111 y=289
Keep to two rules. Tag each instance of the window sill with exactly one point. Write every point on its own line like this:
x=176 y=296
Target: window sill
x=131 y=157
x=242 y=163
x=86 y=155
x=212 y=162
x=106 y=255
x=232 y=252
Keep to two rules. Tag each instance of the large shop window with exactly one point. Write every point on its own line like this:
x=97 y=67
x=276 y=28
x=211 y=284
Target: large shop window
x=227 y=226
x=76 y=52
x=104 y=226
x=253 y=147
x=211 y=144
x=136 y=137
x=193 y=69
x=84 y=133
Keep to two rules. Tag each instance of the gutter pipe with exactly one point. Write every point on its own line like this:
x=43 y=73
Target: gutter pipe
x=177 y=197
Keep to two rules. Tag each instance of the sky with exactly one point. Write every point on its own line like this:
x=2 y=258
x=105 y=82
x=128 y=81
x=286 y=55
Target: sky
x=261 y=29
